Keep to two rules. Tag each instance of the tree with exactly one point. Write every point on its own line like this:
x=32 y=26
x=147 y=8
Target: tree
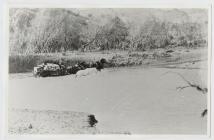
x=20 y=22
x=112 y=35
x=56 y=30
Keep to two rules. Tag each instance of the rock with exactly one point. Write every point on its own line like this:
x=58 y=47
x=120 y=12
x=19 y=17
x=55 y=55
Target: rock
x=30 y=126
x=92 y=120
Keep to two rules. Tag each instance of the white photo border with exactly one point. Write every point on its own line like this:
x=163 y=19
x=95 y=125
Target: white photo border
x=100 y=4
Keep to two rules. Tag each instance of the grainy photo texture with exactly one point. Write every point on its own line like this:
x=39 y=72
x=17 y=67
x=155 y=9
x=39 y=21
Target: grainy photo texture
x=108 y=71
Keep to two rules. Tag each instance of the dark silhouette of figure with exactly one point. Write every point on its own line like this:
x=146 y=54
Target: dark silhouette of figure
x=100 y=64
x=92 y=120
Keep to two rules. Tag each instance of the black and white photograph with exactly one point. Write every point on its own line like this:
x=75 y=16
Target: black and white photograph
x=120 y=71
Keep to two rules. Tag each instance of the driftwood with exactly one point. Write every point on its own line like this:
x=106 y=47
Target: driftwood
x=204 y=113
x=197 y=87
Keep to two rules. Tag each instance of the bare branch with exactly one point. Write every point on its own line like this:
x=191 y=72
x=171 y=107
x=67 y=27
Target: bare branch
x=183 y=87
x=198 y=87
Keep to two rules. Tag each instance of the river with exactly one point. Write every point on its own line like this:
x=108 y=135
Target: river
x=138 y=100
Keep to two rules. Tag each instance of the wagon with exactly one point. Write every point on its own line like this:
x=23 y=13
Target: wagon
x=49 y=69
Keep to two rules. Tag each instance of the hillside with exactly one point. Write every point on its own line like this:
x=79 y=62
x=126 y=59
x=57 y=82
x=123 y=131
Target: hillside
x=62 y=30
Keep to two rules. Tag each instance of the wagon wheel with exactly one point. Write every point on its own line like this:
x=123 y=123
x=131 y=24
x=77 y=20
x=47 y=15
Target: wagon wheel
x=58 y=72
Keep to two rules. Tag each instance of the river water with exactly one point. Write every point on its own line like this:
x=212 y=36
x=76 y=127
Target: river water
x=137 y=100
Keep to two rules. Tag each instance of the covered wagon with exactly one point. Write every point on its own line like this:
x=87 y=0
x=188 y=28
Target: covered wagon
x=49 y=69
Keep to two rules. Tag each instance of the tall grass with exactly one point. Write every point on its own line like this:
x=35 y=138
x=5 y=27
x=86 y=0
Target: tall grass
x=25 y=63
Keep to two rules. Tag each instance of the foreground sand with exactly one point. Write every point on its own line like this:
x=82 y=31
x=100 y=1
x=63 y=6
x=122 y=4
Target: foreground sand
x=28 y=121
x=24 y=121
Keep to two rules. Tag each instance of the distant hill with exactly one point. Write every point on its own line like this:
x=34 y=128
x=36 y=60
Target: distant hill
x=138 y=16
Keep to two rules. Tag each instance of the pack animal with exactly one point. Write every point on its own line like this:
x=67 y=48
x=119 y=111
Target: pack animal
x=88 y=71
